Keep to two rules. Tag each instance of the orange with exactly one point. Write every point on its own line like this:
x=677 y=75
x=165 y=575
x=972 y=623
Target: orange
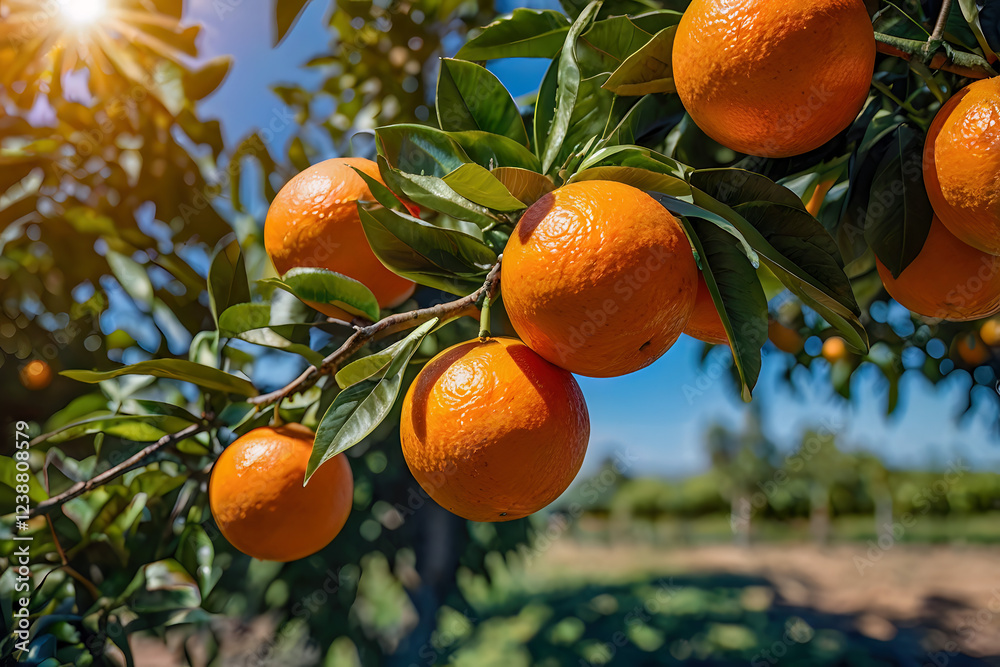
x=705 y=323
x=990 y=333
x=973 y=350
x=493 y=432
x=599 y=278
x=785 y=339
x=962 y=165
x=258 y=500
x=947 y=280
x=36 y=375
x=313 y=222
x=816 y=201
x=771 y=77
x=834 y=349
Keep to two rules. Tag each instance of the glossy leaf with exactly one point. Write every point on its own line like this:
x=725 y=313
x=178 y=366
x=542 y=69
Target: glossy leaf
x=195 y=552
x=327 y=287
x=527 y=186
x=568 y=88
x=492 y=150
x=478 y=185
x=174 y=369
x=648 y=70
x=737 y=295
x=358 y=409
x=470 y=97
x=433 y=193
x=526 y=33
x=140 y=428
x=418 y=149
x=899 y=212
x=227 y=279
x=643 y=179
x=367 y=367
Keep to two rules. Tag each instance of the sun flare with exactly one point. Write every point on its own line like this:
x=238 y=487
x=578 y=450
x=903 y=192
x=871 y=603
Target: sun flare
x=83 y=12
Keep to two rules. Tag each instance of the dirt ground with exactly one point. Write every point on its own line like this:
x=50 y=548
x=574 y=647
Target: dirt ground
x=952 y=591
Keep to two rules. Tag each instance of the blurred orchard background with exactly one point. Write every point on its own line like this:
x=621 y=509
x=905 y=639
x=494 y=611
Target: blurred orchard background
x=849 y=515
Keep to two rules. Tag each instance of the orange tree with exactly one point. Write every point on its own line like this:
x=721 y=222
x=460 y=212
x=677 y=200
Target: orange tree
x=618 y=114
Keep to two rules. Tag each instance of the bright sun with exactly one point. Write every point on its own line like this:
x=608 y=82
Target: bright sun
x=83 y=12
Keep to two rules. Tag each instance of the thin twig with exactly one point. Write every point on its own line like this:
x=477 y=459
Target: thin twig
x=130 y=463
x=957 y=62
x=942 y=21
x=384 y=327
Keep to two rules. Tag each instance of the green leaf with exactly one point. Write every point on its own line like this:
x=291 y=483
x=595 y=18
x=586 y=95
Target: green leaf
x=680 y=207
x=8 y=477
x=568 y=88
x=286 y=13
x=165 y=585
x=227 y=279
x=492 y=150
x=433 y=193
x=648 y=70
x=132 y=277
x=899 y=212
x=527 y=33
x=737 y=295
x=445 y=259
x=800 y=253
x=367 y=367
x=480 y=186
x=470 y=97
x=140 y=428
x=327 y=287
x=199 y=85
x=244 y=317
x=545 y=107
x=527 y=186
x=418 y=149
x=739 y=186
x=195 y=552
x=644 y=121
x=360 y=408
x=970 y=10
x=174 y=369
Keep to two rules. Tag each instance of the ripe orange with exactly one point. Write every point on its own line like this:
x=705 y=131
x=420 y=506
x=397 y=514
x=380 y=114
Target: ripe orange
x=972 y=350
x=948 y=280
x=962 y=165
x=313 y=222
x=36 y=375
x=705 y=323
x=493 y=432
x=785 y=339
x=990 y=333
x=771 y=77
x=599 y=278
x=834 y=349
x=258 y=500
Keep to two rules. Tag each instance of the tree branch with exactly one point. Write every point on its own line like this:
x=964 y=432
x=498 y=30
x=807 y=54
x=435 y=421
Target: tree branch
x=957 y=62
x=130 y=463
x=942 y=21
x=384 y=327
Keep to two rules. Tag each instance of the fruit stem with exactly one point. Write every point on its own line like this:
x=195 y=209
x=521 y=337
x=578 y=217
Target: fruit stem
x=484 y=318
x=942 y=21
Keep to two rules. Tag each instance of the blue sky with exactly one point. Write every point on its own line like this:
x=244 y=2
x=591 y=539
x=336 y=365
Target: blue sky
x=649 y=412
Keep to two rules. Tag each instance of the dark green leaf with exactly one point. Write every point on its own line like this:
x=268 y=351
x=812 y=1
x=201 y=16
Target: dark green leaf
x=493 y=150
x=478 y=185
x=196 y=552
x=737 y=294
x=568 y=88
x=327 y=287
x=527 y=33
x=680 y=207
x=418 y=149
x=643 y=179
x=433 y=193
x=174 y=369
x=739 y=186
x=648 y=70
x=899 y=212
x=227 y=279
x=470 y=97
x=358 y=409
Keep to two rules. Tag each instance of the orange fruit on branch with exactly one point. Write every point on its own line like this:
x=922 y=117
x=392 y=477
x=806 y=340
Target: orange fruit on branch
x=258 y=500
x=962 y=165
x=598 y=278
x=493 y=432
x=947 y=280
x=313 y=222
x=705 y=323
x=990 y=333
x=972 y=350
x=834 y=349
x=771 y=77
